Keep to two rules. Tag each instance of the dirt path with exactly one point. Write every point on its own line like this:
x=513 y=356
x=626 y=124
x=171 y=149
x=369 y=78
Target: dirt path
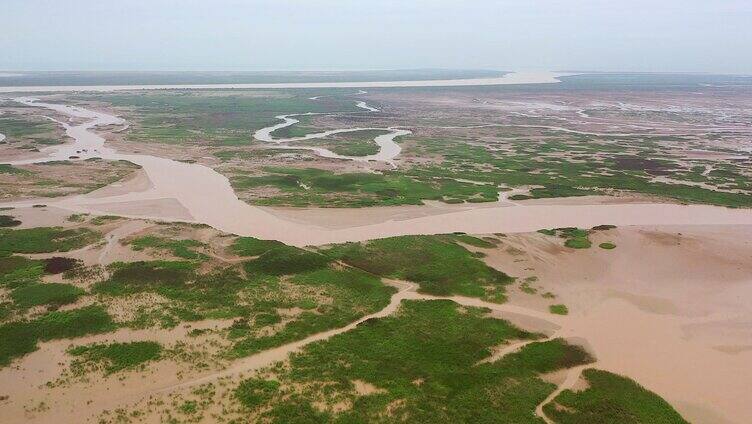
x=573 y=375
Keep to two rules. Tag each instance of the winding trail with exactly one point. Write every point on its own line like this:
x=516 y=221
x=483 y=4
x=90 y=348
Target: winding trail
x=573 y=375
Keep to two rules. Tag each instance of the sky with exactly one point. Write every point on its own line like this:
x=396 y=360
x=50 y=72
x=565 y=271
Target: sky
x=521 y=35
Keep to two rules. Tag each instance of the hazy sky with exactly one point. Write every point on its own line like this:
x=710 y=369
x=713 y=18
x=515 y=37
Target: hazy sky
x=633 y=35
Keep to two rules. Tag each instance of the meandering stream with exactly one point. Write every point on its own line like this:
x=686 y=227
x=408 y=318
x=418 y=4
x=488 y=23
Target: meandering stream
x=388 y=148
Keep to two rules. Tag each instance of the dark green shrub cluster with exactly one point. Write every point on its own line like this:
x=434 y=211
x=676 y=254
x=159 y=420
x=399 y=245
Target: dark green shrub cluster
x=559 y=309
x=59 y=264
x=54 y=294
x=9 y=221
x=20 y=338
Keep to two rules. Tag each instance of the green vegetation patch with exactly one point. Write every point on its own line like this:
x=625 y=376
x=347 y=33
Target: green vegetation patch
x=437 y=263
x=611 y=399
x=349 y=294
x=185 y=249
x=607 y=245
x=423 y=365
x=53 y=294
x=559 y=309
x=45 y=239
x=575 y=238
x=21 y=128
x=115 y=357
x=20 y=338
x=16 y=271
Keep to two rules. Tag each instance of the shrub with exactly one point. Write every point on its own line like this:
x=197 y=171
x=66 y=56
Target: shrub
x=253 y=392
x=58 y=264
x=8 y=221
x=559 y=309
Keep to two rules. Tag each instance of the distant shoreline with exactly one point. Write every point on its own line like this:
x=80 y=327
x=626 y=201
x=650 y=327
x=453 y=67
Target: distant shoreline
x=506 y=79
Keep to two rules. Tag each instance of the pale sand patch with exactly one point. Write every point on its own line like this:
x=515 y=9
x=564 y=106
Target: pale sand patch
x=151 y=207
x=48 y=216
x=135 y=183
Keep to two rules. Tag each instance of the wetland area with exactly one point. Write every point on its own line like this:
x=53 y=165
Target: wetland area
x=528 y=247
